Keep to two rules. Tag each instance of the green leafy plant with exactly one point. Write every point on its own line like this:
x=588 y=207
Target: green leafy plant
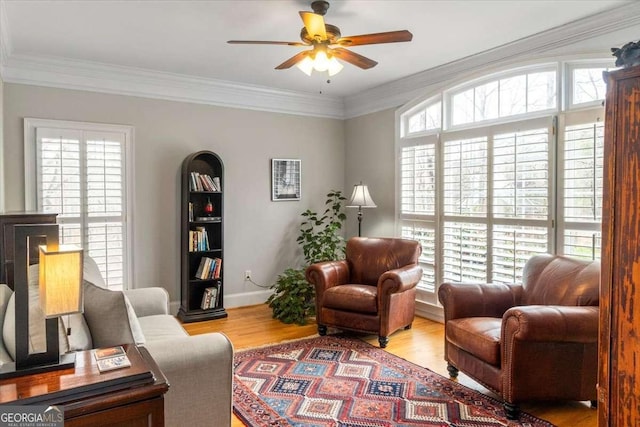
x=320 y=236
x=293 y=299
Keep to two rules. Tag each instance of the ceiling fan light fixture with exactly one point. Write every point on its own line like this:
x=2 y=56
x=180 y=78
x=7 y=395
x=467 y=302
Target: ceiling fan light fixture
x=334 y=66
x=321 y=61
x=306 y=66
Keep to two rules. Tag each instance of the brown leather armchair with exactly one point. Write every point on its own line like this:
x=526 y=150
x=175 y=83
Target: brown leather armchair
x=535 y=341
x=373 y=290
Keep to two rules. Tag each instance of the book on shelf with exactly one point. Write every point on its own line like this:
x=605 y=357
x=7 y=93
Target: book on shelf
x=211 y=296
x=209 y=268
x=190 y=211
x=198 y=240
x=111 y=358
x=203 y=182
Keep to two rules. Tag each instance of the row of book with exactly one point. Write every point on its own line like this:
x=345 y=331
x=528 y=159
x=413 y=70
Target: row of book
x=198 y=240
x=211 y=297
x=209 y=268
x=203 y=182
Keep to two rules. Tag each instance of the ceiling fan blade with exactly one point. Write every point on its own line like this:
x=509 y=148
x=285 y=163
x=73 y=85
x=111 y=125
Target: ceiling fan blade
x=293 y=60
x=266 y=42
x=353 y=58
x=314 y=24
x=376 y=38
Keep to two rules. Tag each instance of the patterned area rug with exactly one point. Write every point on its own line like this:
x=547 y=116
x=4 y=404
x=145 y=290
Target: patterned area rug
x=342 y=381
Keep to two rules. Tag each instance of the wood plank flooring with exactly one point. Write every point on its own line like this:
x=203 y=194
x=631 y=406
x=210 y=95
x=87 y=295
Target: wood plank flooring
x=253 y=326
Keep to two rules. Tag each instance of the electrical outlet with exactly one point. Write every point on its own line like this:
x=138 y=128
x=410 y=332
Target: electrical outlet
x=247 y=275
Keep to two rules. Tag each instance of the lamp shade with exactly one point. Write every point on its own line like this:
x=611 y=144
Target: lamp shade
x=60 y=280
x=360 y=198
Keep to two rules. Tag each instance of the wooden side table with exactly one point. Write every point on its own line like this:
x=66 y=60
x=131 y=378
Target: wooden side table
x=127 y=397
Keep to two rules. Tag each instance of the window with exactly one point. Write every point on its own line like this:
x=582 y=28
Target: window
x=586 y=85
x=426 y=117
x=508 y=175
x=79 y=171
x=504 y=97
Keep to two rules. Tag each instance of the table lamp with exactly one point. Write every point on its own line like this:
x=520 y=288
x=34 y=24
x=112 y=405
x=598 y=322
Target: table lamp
x=360 y=198
x=60 y=286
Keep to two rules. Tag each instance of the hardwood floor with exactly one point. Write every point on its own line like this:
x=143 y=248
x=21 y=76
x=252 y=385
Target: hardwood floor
x=253 y=326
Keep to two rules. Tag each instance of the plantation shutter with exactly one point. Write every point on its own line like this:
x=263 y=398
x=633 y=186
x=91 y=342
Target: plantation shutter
x=496 y=202
x=581 y=176
x=465 y=169
x=81 y=176
x=521 y=201
x=418 y=203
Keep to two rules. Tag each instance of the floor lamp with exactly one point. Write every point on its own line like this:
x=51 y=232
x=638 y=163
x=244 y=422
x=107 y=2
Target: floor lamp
x=360 y=198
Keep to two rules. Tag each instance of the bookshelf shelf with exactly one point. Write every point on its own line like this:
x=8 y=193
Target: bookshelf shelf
x=202 y=238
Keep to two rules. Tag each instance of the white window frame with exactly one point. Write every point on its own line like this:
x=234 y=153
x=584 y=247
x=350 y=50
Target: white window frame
x=30 y=173
x=567 y=92
x=450 y=93
x=422 y=106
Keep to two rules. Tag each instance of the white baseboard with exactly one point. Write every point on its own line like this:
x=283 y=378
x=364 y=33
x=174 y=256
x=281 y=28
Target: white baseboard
x=246 y=298
x=429 y=311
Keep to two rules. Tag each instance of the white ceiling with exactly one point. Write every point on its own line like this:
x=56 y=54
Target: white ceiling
x=188 y=38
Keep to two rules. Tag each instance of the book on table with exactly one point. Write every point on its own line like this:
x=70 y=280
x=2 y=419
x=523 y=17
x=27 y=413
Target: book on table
x=111 y=358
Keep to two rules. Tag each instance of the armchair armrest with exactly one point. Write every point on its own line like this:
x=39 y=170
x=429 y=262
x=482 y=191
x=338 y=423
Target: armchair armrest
x=324 y=275
x=199 y=369
x=148 y=301
x=551 y=323
x=399 y=280
x=461 y=300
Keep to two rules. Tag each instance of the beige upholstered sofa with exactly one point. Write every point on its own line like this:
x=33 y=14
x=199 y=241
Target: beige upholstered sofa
x=199 y=368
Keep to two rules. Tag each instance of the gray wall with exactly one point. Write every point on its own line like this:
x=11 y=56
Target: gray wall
x=259 y=234
x=370 y=158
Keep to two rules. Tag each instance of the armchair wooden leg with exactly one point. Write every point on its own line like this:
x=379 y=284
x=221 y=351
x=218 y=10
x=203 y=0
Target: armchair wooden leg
x=383 y=341
x=512 y=410
x=322 y=330
x=453 y=371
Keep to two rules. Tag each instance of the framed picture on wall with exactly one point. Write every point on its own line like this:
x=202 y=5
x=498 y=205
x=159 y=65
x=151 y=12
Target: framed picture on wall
x=285 y=179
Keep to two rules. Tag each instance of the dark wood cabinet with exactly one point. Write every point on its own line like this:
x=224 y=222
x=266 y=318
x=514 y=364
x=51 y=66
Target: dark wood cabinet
x=202 y=239
x=619 y=364
x=7 y=256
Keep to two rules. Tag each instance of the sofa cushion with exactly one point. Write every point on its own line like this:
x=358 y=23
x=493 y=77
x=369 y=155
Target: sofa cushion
x=360 y=298
x=110 y=318
x=161 y=327
x=479 y=336
x=37 y=324
x=80 y=336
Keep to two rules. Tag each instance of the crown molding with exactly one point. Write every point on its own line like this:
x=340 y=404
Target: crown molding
x=105 y=78
x=398 y=92
x=97 y=77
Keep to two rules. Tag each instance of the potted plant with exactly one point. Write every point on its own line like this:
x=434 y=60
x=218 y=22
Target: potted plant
x=293 y=299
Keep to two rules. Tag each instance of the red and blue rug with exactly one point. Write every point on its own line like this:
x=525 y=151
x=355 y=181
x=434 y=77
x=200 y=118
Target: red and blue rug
x=345 y=382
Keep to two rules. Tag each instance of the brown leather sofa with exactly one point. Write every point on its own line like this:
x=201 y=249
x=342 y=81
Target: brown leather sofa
x=373 y=290
x=535 y=341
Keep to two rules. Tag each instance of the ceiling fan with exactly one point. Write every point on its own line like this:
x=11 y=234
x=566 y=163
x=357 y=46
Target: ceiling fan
x=328 y=44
